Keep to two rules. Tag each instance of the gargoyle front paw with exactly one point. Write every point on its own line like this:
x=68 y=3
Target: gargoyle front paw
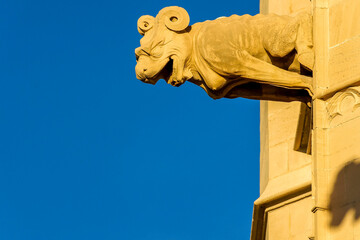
x=307 y=60
x=176 y=82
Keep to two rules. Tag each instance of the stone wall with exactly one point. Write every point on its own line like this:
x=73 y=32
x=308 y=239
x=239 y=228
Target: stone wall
x=315 y=194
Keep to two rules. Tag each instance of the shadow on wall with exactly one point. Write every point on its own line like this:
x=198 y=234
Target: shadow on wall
x=346 y=193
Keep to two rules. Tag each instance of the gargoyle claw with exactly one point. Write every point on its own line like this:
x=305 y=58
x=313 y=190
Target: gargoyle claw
x=176 y=83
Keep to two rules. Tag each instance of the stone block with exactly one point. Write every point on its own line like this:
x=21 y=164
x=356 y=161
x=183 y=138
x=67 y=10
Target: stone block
x=278 y=226
x=279 y=160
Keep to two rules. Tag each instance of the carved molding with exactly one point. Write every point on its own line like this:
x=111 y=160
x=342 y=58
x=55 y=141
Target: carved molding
x=280 y=191
x=343 y=104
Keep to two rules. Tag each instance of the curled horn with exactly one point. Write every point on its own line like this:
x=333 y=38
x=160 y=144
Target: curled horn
x=175 y=18
x=145 y=23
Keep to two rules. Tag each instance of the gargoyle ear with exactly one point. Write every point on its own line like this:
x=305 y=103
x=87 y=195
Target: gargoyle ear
x=145 y=23
x=175 y=18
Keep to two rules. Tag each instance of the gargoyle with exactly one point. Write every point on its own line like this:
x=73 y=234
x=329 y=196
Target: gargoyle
x=268 y=57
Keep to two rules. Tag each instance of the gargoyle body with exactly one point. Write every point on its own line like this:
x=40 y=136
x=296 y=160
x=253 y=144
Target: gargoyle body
x=267 y=57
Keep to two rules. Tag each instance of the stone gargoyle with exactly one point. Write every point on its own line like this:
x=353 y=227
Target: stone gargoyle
x=268 y=57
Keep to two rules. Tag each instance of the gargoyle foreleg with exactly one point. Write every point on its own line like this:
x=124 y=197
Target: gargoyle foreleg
x=177 y=77
x=263 y=72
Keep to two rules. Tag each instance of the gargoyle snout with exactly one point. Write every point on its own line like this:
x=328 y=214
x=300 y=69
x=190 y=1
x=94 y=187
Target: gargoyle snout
x=141 y=74
x=140 y=71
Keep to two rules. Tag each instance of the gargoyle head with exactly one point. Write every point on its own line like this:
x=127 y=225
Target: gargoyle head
x=165 y=47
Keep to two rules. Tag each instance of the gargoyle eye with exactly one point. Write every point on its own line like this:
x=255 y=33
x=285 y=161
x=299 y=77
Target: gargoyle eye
x=140 y=51
x=145 y=52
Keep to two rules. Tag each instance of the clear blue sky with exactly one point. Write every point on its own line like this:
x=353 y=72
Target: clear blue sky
x=87 y=151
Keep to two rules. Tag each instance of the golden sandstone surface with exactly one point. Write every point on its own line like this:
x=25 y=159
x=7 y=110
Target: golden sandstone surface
x=294 y=52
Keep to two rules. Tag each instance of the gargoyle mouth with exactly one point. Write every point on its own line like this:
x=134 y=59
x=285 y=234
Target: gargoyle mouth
x=168 y=70
x=165 y=73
